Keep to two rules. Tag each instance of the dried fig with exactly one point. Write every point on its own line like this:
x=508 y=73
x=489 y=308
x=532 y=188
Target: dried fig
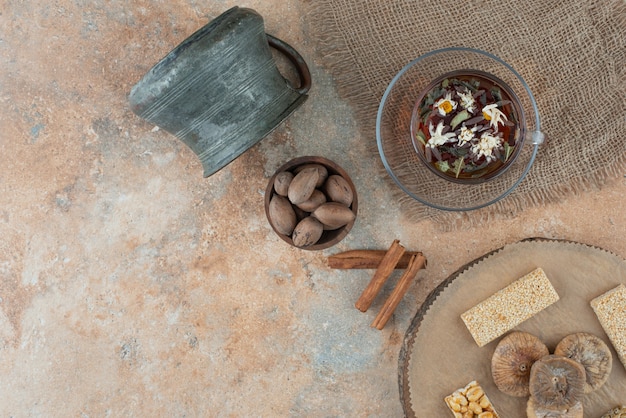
x=307 y=232
x=512 y=360
x=556 y=382
x=592 y=353
x=313 y=202
x=282 y=214
x=321 y=171
x=533 y=410
x=338 y=190
x=303 y=185
x=282 y=182
x=333 y=215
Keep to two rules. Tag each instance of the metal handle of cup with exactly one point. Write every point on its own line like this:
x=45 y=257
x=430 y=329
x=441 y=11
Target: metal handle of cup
x=296 y=59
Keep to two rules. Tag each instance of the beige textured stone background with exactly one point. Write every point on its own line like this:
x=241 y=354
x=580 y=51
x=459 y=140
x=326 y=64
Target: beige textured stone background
x=132 y=286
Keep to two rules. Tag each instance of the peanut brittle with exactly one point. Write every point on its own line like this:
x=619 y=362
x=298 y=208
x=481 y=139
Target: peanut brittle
x=470 y=402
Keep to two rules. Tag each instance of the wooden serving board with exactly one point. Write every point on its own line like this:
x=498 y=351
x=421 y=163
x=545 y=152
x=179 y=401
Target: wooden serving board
x=439 y=355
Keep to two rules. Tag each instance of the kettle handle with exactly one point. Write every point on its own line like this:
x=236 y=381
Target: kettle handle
x=296 y=59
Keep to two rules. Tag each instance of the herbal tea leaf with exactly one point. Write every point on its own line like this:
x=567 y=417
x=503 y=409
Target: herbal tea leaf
x=426 y=115
x=497 y=94
x=483 y=99
x=471 y=167
x=508 y=150
x=468 y=85
x=460 y=117
x=458 y=165
x=442 y=166
x=459 y=152
x=436 y=153
x=428 y=154
x=421 y=137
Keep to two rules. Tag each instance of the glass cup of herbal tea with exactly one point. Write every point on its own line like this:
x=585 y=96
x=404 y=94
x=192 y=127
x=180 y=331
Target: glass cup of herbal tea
x=467 y=126
x=458 y=128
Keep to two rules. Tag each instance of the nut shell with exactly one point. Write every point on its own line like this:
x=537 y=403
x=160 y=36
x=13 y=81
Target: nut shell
x=338 y=190
x=512 y=361
x=313 y=202
x=590 y=351
x=334 y=215
x=321 y=171
x=303 y=185
x=282 y=214
x=282 y=182
x=307 y=232
x=556 y=382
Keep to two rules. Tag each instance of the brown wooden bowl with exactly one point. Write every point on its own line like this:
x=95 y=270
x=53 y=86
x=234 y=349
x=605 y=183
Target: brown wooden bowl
x=329 y=237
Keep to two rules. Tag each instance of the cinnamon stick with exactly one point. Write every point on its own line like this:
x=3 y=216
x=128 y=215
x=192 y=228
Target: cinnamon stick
x=384 y=270
x=417 y=262
x=365 y=259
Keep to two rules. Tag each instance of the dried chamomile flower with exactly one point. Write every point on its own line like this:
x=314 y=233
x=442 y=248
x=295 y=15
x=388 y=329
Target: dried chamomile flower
x=467 y=100
x=487 y=146
x=494 y=115
x=437 y=138
x=445 y=105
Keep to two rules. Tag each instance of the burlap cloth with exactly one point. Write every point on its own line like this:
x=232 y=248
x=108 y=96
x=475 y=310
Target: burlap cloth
x=571 y=53
x=439 y=355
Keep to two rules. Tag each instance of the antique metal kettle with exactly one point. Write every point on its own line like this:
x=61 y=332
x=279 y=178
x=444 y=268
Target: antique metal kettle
x=220 y=91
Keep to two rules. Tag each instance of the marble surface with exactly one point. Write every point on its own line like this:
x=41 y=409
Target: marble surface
x=132 y=286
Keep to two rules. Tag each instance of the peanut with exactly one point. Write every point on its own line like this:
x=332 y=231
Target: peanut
x=470 y=402
x=474 y=393
x=475 y=408
x=456 y=407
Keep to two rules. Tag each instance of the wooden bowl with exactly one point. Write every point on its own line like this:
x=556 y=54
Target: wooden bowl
x=329 y=237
